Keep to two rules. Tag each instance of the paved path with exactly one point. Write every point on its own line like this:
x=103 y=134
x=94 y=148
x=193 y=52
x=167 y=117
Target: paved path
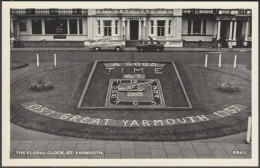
x=43 y=145
x=173 y=49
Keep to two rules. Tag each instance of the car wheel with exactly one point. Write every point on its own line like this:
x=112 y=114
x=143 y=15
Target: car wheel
x=140 y=49
x=117 y=49
x=96 y=49
x=158 y=49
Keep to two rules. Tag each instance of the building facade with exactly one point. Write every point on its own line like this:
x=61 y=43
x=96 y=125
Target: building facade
x=172 y=27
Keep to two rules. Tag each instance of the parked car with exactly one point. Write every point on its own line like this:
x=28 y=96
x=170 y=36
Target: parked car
x=151 y=45
x=106 y=44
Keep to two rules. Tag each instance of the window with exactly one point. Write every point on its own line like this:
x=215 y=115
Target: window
x=73 y=26
x=55 y=26
x=169 y=28
x=196 y=26
x=36 y=26
x=107 y=28
x=151 y=26
x=80 y=26
x=204 y=26
x=116 y=26
x=22 y=26
x=189 y=27
x=98 y=22
x=160 y=27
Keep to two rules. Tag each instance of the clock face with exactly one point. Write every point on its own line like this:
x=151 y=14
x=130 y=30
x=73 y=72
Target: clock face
x=134 y=93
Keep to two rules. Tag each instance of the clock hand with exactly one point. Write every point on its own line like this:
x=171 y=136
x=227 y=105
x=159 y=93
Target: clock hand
x=130 y=87
x=143 y=83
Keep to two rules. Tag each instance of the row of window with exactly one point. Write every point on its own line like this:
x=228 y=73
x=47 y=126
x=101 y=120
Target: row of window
x=54 y=26
x=60 y=26
x=108 y=27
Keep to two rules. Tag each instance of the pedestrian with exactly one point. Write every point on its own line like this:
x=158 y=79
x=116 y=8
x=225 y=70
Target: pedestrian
x=150 y=38
x=219 y=44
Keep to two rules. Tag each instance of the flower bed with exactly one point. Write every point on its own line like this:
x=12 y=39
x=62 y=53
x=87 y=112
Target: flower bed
x=41 y=85
x=228 y=87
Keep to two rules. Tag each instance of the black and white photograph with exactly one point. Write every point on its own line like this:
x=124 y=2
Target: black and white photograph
x=130 y=83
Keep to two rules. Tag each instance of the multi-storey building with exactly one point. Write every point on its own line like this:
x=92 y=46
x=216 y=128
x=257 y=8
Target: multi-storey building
x=172 y=27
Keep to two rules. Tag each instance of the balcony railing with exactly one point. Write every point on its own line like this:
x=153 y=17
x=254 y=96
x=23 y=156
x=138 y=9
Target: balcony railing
x=234 y=11
x=198 y=11
x=217 y=11
x=38 y=12
x=134 y=11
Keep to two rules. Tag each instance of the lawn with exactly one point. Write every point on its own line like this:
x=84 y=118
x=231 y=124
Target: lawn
x=69 y=81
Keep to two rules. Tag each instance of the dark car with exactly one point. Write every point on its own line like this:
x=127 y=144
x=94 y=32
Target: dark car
x=151 y=45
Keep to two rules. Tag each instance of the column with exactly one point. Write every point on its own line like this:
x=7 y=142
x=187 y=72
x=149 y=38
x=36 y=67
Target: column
x=145 y=34
x=246 y=33
x=201 y=26
x=230 y=30
x=102 y=27
x=123 y=31
x=191 y=28
x=128 y=29
x=78 y=26
x=215 y=29
x=113 y=28
x=166 y=25
x=12 y=27
x=139 y=30
x=235 y=31
x=219 y=25
x=155 y=28
x=68 y=26
x=43 y=26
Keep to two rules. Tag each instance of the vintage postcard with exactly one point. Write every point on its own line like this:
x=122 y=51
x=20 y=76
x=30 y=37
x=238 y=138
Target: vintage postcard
x=130 y=83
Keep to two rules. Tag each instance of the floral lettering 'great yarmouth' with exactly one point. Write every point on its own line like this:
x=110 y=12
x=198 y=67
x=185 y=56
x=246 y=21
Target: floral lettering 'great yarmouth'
x=45 y=111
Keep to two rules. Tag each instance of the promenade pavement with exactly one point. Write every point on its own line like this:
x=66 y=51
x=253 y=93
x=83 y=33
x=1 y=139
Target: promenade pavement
x=166 y=49
x=44 y=145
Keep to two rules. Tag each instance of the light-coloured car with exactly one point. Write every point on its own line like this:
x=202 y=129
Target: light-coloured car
x=106 y=44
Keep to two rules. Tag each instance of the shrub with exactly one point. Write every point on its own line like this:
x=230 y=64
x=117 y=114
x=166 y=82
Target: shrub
x=228 y=87
x=41 y=85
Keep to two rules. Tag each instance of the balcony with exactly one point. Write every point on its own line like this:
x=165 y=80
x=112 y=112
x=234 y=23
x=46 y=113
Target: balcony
x=133 y=11
x=46 y=12
x=216 y=11
x=198 y=11
x=234 y=12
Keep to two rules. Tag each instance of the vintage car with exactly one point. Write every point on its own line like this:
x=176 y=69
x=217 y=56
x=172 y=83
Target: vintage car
x=151 y=45
x=106 y=44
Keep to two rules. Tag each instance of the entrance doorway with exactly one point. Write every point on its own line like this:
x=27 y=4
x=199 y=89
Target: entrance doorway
x=224 y=29
x=239 y=28
x=134 y=29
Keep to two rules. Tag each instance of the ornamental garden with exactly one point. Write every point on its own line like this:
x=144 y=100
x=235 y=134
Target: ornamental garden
x=132 y=100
